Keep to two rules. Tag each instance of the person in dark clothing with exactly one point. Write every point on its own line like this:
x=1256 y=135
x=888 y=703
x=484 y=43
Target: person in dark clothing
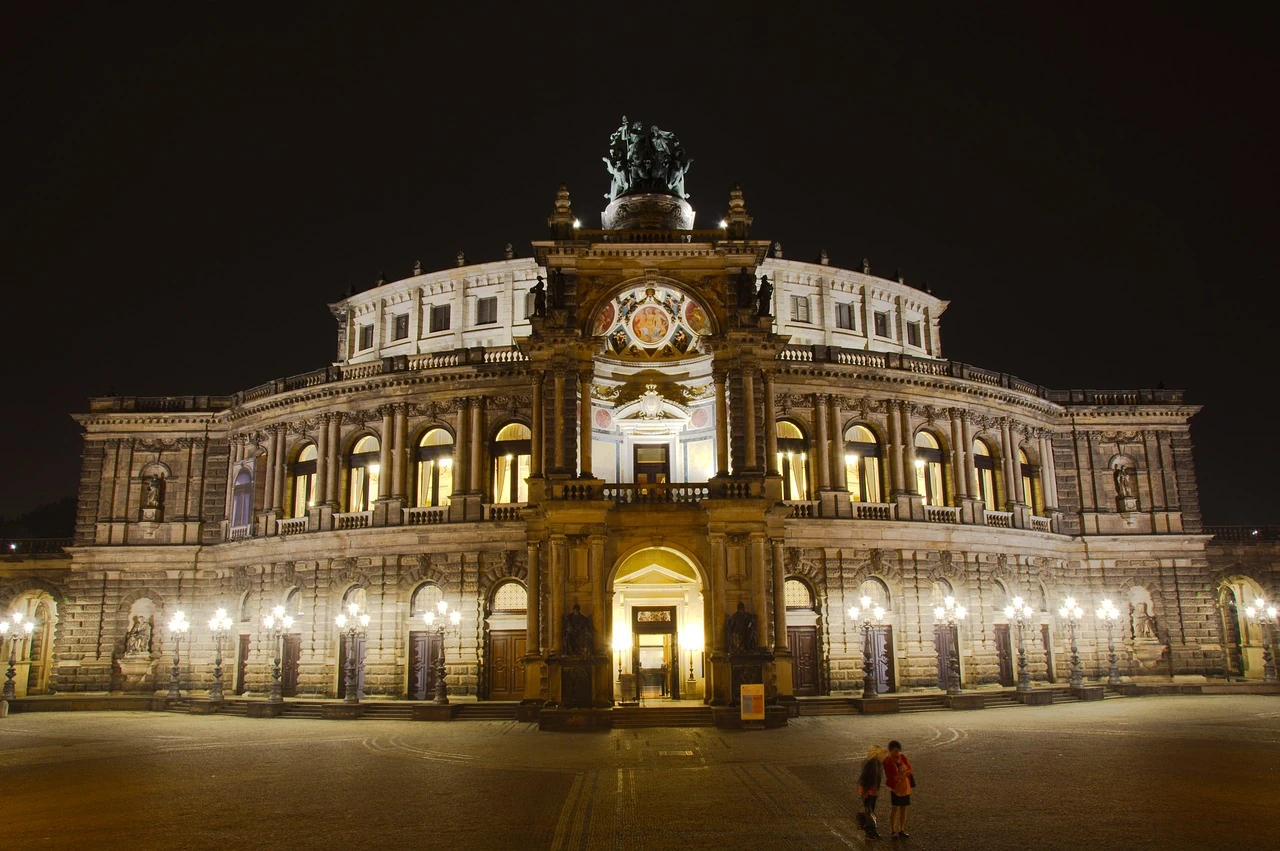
x=869 y=787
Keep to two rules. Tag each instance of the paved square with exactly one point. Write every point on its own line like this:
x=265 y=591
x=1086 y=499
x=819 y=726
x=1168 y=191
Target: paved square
x=1156 y=772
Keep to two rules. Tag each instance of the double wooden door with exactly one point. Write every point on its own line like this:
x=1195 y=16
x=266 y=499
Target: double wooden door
x=882 y=657
x=291 y=653
x=802 y=641
x=945 y=642
x=242 y=664
x=424 y=650
x=1004 y=655
x=343 y=649
x=506 y=665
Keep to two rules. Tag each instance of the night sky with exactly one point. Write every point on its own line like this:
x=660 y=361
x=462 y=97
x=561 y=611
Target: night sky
x=187 y=186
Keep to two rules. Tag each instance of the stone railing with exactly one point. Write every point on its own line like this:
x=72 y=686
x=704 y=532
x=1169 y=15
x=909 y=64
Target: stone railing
x=998 y=519
x=651 y=494
x=941 y=514
x=649 y=236
x=425 y=515
x=851 y=358
x=25 y=547
x=505 y=356
x=504 y=512
x=291 y=526
x=574 y=492
x=239 y=533
x=875 y=511
x=1121 y=397
x=919 y=366
x=353 y=520
x=437 y=361
x=801 y=509
x=1244 y=534
x=1041 y=524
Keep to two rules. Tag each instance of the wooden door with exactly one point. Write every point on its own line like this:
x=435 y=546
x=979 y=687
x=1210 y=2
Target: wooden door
x=506 y=665
x=1048 y=652
x=944 y=644
x=882 y=657
x=291 y=653
x=651 y=464
x=242 y=663
x=423 y=652
x=342 y=666
x=802 y=641
x=1004 y=654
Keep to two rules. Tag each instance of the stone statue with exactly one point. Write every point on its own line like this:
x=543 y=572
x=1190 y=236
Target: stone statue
x=777 y=250
x=417 y=268
x=462 y=258
x=1144 y=624
x=138 y=638
x=866 y=266
x=579 y=634
x=557 y=289
x=539 y=291
x=1124 y=482
x=645 y=162
x=742 y=631
x=765 y=305
x=509 y=252
x=746 y=287
x=152 y=492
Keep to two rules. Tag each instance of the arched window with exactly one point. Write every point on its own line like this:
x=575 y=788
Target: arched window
x=425 y=599
x=1030 y=479
x=435 y=468
x=862 y=464
x=793 y=460
x=304 y=481
x=363 y=489
x=874 y=588
x=984 y=469
x=797 y=594
x=242 y=498
x=510 y=597
x=512 y=457
x=929 y=469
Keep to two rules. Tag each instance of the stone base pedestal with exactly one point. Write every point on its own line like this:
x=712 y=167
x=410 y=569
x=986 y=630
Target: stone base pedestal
x=966 y=701
x=437 y=712
x=264 y=710
x=1041 y=697
x=528 y=711
x=647 y=211
x=135 y=671
x=875 y=705
x=576 y=720
x=749 y=670
x=203 y=706
x=731 y=718
x=1089 y=692
x=344 y=711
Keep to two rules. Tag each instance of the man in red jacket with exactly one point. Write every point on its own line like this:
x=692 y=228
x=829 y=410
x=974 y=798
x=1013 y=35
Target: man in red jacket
x=900 y=780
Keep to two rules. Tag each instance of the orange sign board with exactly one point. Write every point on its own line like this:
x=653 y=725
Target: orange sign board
x=752 y=701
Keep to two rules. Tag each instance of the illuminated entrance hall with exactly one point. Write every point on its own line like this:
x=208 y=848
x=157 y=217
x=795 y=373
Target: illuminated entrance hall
x=658 y=628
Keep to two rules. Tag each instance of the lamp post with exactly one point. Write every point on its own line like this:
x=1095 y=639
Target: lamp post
x=691 y=640
x=1109 y=614
x=950 y=615
x=352 y=626
x=178 y=626
x=866 y=618
x=15 y=630
x=445 y=616
x=277 y=624
x=1265 y=616
x=1071 y=613
x=219 y=625
x=1021 y=613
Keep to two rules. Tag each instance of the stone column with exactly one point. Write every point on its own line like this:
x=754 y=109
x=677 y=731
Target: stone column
x=585 y=377
x=601 y=612
x=1048 y=477
x=759 y=580
x=400 y=452
x=716 y=627
x=462 y=463
x=476 y=479
x=893 y=450
x=282 y=447
x=722 y=423
x=536 y=427
x=335 y=445
x=821 y=464
x=557 y=421
x=532 y=631
x=966 y=437
x=908 y=454
x=322 y=461
x=269 y=483
x=555 y=590
x=749 y=410
x=384 y=454
x=1013 y=469
x=770 y=426
x=838 y=482
x=957 y=457
x=779 y=601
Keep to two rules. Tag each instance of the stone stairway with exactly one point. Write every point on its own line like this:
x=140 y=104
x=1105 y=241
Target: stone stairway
x=495 y=710
x=662 y=716
x=388 y=711
x=922 y=702
x=827 y=706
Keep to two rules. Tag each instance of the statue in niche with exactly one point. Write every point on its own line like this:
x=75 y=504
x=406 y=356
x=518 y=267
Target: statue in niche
x=153 y=492
x=1123 y=477
x=557 y=289
x=742 y=631
x=746 y=288
x=1144 y=624
x=579 y=634
x=539 y=291
x=765 y=295
x=138 y=638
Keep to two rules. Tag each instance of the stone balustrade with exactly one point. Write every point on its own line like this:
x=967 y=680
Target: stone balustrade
x=998 y=519
x=291 y=526
x=353 y=520
x=650 y=494
x=237 y=533
x=425 y=516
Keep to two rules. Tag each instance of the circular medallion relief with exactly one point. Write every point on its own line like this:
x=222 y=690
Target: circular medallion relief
x=650 y=325
x=699 y=418
x=696 y=318
x=604 y=320
x=603 y=418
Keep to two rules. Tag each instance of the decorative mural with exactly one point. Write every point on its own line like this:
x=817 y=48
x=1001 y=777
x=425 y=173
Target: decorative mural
x=652 y=322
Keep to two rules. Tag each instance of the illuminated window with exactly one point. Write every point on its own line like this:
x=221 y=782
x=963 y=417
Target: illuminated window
x=435 y=468
x=1030 y=483
x=425 y=599
x=366 y=337
x=304 y=481
x=862 y=464
x=242 y=498
x=984 y=469
x=793 y=460
x=929 y=469
x=512 y=457
x=510 y=597
x=797 y=594
x=365 y=470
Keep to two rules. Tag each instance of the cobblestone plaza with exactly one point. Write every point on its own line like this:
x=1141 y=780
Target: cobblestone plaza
x=1155 y=772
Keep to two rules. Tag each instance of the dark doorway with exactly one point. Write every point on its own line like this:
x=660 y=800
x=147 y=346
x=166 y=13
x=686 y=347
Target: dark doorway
x=1048 y=653
x=422 y=665
x=242 y=664
x=882 y=657
x=802 y=641
x=944 y=643
x=506 y=665
x=652 y=466
x=289 y=658
x=342 y=666
x=1232 y=638
x=1004 y=654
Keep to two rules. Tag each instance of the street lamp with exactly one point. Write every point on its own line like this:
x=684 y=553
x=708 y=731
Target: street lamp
x=950 y=615
x=352 y=627
x=1265 y=617
x=15 y=631
x=277 y=624
x=1071 y=613
x=691 y=639
x=867 y=617
x=1109 y=614
x=1021 y=613
x=453 y=618
x=219 y=625
x=178 y=626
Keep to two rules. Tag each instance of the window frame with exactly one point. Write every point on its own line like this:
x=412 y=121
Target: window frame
x=364 y=336
x=438 y=311
x=845 y=316
x=487 y=305
x=399 y=322
x=800 y=305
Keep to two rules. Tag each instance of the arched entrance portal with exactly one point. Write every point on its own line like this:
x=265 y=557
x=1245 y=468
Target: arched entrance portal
x=1242 y=638
x=658 y=628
